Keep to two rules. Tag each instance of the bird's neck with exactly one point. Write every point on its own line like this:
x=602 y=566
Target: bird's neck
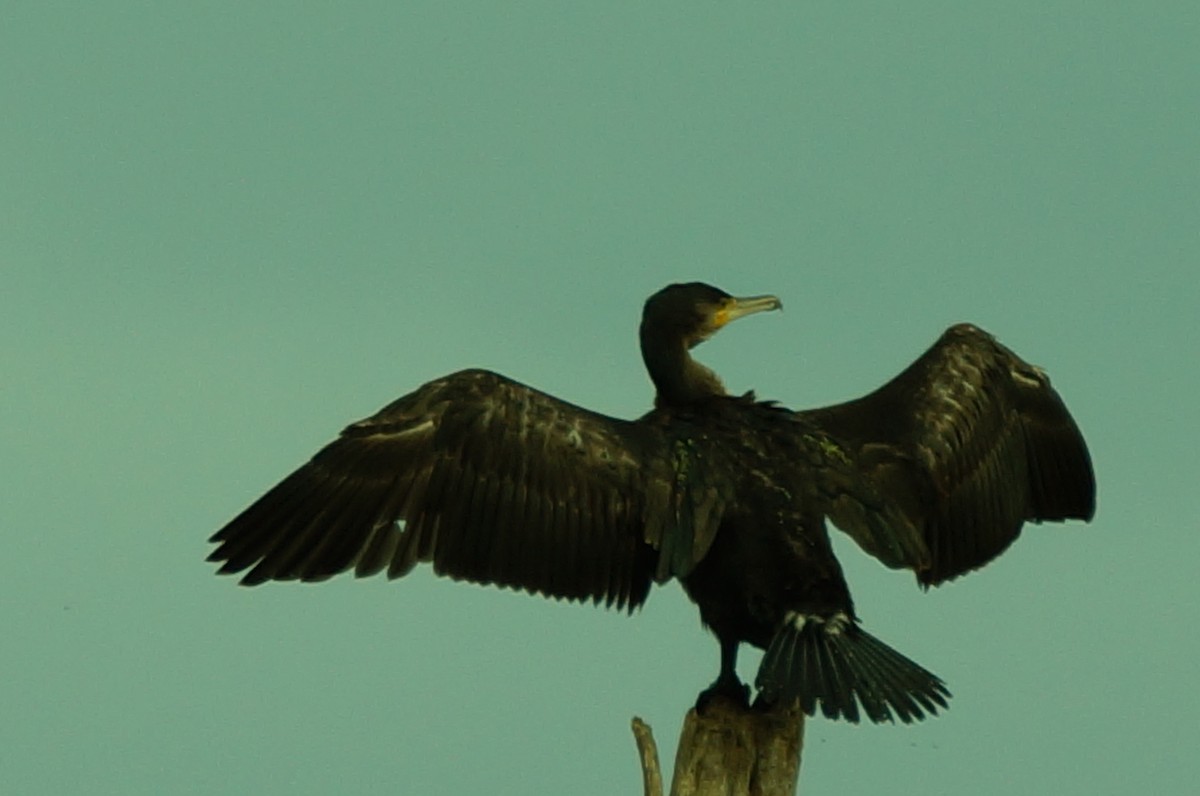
x=679 y=379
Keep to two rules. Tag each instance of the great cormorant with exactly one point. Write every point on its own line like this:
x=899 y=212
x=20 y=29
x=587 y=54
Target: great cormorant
x=495 y=482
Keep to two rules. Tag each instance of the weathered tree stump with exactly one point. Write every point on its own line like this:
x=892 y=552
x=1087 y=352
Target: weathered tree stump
x=729 y=750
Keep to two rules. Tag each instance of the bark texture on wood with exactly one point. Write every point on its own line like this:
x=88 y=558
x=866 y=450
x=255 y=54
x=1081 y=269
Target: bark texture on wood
x=651 y=773
x=729 y=750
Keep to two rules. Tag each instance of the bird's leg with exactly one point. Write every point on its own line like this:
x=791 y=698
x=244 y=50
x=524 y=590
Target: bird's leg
x=727 y=684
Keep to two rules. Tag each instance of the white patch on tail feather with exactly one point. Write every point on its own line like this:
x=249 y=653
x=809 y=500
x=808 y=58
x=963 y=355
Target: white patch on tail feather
x=833 y=624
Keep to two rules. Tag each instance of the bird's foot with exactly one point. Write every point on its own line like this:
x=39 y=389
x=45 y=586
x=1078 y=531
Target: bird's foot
x=729 y=689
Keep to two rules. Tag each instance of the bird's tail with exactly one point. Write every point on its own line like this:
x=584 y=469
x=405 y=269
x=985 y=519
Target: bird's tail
x=831 y=660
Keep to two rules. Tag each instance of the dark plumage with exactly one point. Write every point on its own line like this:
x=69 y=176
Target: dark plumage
x=495 y=482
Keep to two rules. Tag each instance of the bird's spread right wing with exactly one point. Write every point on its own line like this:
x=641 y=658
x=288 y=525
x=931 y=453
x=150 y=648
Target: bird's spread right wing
x=969 y=442
x=488 y=479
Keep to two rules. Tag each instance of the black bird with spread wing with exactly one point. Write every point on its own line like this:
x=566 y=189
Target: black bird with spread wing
x=495 y=482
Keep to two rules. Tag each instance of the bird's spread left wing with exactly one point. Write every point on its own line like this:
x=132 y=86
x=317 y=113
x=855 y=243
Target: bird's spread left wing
x=970 y=442
x=488 y=479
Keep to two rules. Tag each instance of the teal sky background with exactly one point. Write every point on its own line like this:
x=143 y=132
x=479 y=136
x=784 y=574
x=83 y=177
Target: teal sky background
x=229 y=229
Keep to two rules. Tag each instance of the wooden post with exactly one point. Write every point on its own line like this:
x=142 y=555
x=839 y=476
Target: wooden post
x=729 y=750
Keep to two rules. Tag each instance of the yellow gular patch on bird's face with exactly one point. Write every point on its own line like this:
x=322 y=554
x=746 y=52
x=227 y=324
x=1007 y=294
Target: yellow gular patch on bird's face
x=709 y=320
x=723 y=313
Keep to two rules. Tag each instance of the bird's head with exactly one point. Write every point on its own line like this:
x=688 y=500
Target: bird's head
x=676 y=319
x=693 y=311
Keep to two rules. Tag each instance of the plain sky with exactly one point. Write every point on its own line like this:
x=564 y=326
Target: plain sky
x=228 y=229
